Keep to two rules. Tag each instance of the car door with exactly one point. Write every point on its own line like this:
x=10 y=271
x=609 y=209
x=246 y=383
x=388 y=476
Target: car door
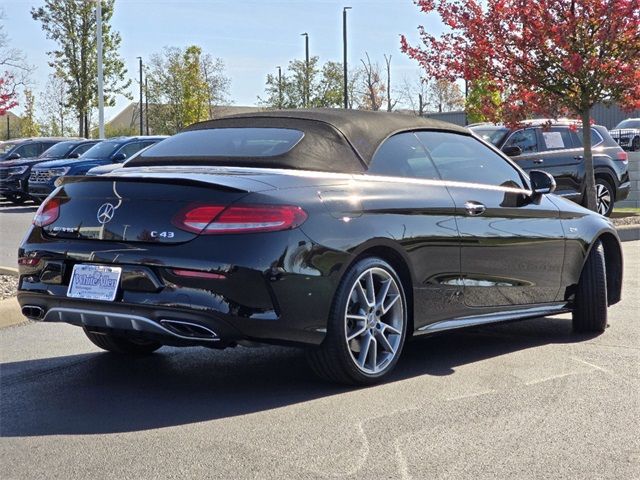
x=562 y=158
x=527 y=140
x=403 y=196
x=512 y=246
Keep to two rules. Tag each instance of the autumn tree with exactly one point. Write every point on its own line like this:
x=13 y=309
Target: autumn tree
x=372 y=86
x=184 y=87
x=413 y=94
x=546 y=57
x=28 y=125
x=444 y=96
x=71 y=24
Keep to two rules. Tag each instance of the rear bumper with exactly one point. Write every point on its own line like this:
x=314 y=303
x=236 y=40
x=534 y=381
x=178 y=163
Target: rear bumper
x=622 y=191
x=272 y=290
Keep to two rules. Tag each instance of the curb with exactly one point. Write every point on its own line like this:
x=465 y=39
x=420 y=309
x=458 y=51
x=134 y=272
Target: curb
x=10 y=313
x=8 y=271
x=628 y=233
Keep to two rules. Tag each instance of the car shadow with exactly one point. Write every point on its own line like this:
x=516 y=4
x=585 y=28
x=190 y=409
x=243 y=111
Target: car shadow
x=102 y=393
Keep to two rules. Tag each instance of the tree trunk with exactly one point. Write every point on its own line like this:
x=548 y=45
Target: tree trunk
x=80 y=124
x=589 y=199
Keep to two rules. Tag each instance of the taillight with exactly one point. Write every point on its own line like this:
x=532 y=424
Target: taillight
x=216 y=219
x=622 y=156
x=47 y=213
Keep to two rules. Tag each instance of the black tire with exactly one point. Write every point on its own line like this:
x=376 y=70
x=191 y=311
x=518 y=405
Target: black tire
x=590 y=310
x=604 y=191
x=333 y=359
x=635 y=144
x=121 y=345
x=17 y=199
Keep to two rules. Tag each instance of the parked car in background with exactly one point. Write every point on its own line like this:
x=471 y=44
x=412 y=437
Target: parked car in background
x=108 y=152
x=555 y=146
x=627 y=134
x=104 y=169
x=343 y=231
x=16 y=159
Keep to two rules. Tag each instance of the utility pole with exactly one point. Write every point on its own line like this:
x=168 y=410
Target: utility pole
x=306 y=73
x=345 y=92
x=100 y=72
x=146 y=105
x=140 y=109
x=280 y=99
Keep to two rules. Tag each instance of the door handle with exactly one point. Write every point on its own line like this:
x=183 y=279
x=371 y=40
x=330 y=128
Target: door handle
x=538 y=160
x=474 y=208
x=578 y=157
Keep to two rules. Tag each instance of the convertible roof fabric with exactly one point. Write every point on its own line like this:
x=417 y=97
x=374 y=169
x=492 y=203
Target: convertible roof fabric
x=335 y=140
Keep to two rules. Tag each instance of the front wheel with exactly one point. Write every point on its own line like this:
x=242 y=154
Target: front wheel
x=17 y=199
x=122 y=345
x=590 y=311
x=367 y=326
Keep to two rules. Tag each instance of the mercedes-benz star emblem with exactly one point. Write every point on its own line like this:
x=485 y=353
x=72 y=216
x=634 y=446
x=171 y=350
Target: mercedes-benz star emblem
x=105 y=213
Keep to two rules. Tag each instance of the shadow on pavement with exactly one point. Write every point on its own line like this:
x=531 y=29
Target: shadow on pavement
x=102 y=393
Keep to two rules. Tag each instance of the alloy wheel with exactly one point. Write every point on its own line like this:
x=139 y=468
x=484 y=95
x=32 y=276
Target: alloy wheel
x=374 y=320
x=603 y=199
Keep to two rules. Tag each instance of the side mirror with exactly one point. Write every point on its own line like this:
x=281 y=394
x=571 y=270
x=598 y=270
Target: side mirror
x=512 y=151
x=13 y=156
x=118 y=157
x=74 y=155
x=541 y=182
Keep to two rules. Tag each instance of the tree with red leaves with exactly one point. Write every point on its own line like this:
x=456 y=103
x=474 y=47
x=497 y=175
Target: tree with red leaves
x=7 y=97
x=544 y=57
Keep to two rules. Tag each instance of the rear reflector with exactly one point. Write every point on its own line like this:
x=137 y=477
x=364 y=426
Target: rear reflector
x=622 y=156
x=196 y=274
x=216 y=219
x=47 y=213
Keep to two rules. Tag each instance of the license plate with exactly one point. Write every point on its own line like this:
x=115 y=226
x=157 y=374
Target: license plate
x=94 y=282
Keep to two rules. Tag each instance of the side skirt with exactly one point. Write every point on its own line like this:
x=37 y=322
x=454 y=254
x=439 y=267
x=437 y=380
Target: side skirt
x=498 y=317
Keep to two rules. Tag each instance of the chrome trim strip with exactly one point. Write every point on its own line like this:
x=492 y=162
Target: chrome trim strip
x=188 y=324
x=488 y=318
x=93 y=318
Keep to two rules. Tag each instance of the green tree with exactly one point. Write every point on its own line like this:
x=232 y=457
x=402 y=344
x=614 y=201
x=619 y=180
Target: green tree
x=71 y=24
x=184 y=87
x=28 y=125
x=483 y=102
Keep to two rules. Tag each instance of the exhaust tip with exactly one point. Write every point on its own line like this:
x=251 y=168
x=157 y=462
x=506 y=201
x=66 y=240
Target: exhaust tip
x=33 y=312
x=188 y=329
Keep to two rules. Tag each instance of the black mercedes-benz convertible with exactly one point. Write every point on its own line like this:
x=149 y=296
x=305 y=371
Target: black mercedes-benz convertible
x=342 y=231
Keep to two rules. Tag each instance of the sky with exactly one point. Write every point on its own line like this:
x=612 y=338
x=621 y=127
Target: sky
x=252 y=37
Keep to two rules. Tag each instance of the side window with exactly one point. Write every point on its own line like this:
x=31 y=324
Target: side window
x=403 y=156
x=83 y=148
x=461 y=158
x=45 y=146
x=130 y=149
x=596 y=138
x=29 y=150
x=526 y=139
x=557 y=138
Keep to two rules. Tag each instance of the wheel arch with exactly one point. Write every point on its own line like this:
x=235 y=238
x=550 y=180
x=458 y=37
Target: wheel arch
x=613 y=263
x=607 y=174
x=394 y=255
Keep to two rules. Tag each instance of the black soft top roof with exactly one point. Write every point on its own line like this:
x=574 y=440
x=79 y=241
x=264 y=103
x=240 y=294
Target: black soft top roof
x=335 y=140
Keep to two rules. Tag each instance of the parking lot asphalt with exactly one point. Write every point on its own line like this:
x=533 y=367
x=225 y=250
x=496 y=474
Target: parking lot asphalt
x=520 y=400
x=14 y=222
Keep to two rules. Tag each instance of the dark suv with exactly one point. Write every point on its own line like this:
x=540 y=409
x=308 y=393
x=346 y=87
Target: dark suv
x=556 y=147
x=109 y=151
x=15 y=162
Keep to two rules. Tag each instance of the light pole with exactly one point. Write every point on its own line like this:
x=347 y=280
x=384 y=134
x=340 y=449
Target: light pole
x=306 y=73
x=100 y=72
x=146 y=105
x=280 y=100
x=140 y=109
x=344 y=56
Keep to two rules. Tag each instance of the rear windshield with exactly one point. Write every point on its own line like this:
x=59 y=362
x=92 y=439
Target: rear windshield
x=491 y=135
x=227 y=142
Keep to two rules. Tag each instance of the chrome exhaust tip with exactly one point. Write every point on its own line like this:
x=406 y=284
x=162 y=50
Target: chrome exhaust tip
x=188 y=329
x=33 y=312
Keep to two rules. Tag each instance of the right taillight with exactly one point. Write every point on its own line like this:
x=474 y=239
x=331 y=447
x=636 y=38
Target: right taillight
x=47 y=213
x=217 y=220
x=622 y=156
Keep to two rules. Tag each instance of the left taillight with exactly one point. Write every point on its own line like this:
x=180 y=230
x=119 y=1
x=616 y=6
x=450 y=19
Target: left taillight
x=622 y=156
x=47 y=213
x=216 y=219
